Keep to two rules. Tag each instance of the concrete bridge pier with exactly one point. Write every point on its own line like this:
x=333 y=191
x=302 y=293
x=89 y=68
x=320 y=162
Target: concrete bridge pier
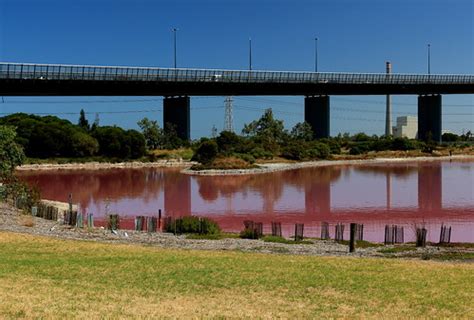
x=176 y=112
x=429 y=117
x=316 y=113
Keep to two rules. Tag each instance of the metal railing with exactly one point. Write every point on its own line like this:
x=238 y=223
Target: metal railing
x=104 y=73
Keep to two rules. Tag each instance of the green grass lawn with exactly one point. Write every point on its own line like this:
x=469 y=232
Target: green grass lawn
x=49 y=278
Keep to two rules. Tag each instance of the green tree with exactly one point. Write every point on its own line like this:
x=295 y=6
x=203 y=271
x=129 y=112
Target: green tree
x=83 y=123
x=83 y=145
x=450 y=137
x=137 y=144
x=228 y=142
x=268 y=131
x=11 y=154
x=170 y=138
x=302 y=131
x=152 y=132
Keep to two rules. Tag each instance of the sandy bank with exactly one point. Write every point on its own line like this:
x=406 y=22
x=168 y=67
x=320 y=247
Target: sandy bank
x=106 y=165
x=274 y=167
x=263 y=168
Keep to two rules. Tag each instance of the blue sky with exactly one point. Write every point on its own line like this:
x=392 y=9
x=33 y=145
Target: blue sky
x=354 y=36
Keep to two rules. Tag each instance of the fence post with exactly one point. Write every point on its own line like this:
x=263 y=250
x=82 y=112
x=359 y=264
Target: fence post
x=159 y=219
x=352 y=237
x=90 y=220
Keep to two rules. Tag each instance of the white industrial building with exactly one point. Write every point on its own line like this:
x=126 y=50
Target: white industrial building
x=407 y=126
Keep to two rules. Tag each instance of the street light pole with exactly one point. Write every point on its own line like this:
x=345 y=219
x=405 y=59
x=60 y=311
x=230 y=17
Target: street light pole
x=250 y=54
x=174 y=34
x=429 y=59
x=316 y=54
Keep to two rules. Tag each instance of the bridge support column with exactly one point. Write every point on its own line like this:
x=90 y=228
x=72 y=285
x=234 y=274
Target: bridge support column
x=316 y=113
x=176 y=112
x=429 y=117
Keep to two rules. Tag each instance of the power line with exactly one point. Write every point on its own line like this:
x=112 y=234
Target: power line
x=332 y=117
x=284 y=102
x=79 y=101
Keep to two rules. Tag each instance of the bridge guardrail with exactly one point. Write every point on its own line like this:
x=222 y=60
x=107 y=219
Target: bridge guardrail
x=102 y=73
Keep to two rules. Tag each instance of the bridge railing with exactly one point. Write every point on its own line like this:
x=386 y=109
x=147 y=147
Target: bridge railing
x=99 y=73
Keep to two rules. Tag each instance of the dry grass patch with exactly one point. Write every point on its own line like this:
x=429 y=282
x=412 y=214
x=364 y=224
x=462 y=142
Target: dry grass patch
x=26 y=221
x=49 y=278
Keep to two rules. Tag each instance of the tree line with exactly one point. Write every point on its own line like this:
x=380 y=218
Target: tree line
x=50 y=137
x=264 y=138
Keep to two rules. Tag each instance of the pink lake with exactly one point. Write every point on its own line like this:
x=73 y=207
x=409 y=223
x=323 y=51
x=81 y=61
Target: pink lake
x=408 y=194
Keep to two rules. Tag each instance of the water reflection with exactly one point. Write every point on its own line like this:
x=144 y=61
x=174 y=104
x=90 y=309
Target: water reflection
x=409 y=193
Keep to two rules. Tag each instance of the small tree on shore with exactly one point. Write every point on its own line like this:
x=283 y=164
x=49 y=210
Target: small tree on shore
x=11 y=154
x=83 y=123
x=152 y=132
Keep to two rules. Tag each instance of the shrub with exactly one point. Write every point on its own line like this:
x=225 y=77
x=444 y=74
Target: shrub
x=403 y=144
x=206 y=152
x=295 y=151
x=228 y=142
x=382 y=144
x=319 y=150
x=359 y=148
x=246 y=157
x=333 y=144
x=260 y=153
x=193 y=225
x=249 y=233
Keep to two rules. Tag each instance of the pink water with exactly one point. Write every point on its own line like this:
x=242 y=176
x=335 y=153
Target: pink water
x=408 y=194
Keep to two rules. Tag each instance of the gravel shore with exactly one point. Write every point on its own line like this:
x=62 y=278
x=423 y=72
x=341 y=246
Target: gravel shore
x=263 y=168
x=106 y=165
x=274 y=167
x=11 y=220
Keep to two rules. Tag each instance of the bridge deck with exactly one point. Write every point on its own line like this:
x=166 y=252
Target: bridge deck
x=54 y=79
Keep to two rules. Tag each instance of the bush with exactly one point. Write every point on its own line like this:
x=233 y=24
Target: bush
x=318 y=150
x=382 y=144
x=450 y=137
x=193 y=225
x=206 y=152
x=295 y=151
x=359 y=148
x=249 y=233
x=403 y=144
x=246 y=157
x=260 y=153
x=228 y=142
x=333 y=144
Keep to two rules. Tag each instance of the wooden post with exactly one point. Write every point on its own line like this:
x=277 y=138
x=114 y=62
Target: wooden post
x=352 y=238
x=70 y=202
x=90 y=220
x=159 y=219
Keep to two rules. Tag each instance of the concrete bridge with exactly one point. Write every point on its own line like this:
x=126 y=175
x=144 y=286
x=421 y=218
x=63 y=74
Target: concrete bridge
x=177 y=85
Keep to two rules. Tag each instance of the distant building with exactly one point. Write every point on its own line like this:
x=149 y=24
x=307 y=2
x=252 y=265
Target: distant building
x=407 y=126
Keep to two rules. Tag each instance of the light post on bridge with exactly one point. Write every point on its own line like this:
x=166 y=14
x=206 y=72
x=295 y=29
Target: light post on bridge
x=250 y=54
x=174 y=36
x=429 y=59
x=316 y=54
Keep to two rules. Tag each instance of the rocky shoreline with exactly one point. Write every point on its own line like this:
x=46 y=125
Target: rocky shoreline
x=12 y=220
x=263 y=168
x=274 y=167
x=171 y=163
